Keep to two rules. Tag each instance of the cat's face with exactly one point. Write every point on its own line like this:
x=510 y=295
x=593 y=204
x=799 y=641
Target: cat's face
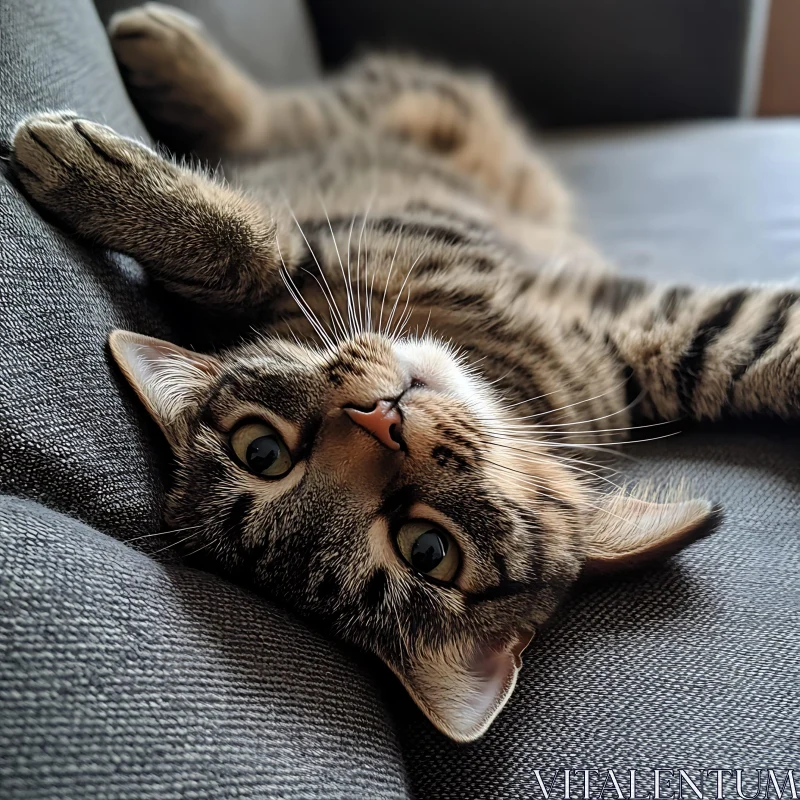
x=374 y=488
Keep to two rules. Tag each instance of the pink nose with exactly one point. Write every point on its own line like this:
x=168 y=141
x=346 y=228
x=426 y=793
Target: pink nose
x=383 y=422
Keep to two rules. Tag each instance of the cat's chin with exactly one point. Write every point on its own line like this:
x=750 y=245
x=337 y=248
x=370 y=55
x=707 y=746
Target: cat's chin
x=437 y=366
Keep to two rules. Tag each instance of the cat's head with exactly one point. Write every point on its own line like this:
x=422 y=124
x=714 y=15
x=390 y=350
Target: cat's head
x=373 y=487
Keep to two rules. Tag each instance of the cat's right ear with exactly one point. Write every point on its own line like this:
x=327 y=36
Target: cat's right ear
x=167 y=378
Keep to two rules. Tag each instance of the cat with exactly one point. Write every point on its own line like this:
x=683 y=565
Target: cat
x=398 y=455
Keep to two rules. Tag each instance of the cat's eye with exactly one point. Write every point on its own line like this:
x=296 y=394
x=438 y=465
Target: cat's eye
x=261 y=449
x=429 y=549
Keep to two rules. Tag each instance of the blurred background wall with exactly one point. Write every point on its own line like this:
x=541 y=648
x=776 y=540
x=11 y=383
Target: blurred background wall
x=616 y=61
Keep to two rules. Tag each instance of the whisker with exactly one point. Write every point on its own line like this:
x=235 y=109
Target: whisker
x=541 y=425
x=172 y=544
x=308 y=312
x=401 y=631
x=161 y=533
x=572 y=467
x=338 y=255
x=301 y=302
x=404 y=317
x=531 y=399
x=577 y=403
x=389 y=277
x=358 y=260
x=402 y=287
x=427 y=322
x=349 y=286
x=215 y=540
x=327 y=300
x=591 y=445
x=321 y=272
x=547 y=456
x=534 y=484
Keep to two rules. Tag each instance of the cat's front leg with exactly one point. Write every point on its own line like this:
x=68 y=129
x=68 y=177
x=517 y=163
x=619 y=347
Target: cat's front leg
x=197 y=236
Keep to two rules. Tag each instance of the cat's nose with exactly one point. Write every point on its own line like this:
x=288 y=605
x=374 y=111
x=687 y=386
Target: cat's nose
x=383 y=422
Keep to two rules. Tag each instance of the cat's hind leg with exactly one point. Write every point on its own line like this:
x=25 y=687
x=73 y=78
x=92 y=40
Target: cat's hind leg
x=194 y=98
x=188 y=92
x=198 y=237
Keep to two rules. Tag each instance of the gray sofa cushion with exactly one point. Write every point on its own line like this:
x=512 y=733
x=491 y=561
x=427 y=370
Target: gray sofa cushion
x=125 y=678
x=69 y=437
x=122 y=676
x=713 y=201
x=693 y=664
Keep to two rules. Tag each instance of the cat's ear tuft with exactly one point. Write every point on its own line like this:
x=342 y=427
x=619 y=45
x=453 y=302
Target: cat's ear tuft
x=628 y=532
x=166 y=377
x=461 y=692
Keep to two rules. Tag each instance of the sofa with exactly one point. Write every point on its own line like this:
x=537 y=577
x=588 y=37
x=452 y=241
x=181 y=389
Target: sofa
x=125 y=674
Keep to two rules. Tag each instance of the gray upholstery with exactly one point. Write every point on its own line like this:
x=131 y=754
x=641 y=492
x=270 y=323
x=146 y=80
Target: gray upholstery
x=126 y=675
x=126 y=678
x=713 y=201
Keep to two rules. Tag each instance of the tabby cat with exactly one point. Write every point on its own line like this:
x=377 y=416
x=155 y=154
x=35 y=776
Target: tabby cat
x=397 y=456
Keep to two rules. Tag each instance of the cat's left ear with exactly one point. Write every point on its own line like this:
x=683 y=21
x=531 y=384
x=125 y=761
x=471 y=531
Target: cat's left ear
x=627 y=532
x=167 y=378
x=461 y=690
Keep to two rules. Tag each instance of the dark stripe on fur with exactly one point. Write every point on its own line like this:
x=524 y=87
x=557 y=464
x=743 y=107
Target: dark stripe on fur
x=353 y=102
x=672 y=301
x=616 y=294
x=499 y=592
x=449 y=234
x=234 y=520
x=36 y=138
x=771 y=331
x=328 y=589
x=634 y=391
x=689 y=369
x=96 y=147
x=375 y=590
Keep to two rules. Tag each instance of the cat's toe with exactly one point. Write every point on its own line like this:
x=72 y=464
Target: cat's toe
x=53 y=151
x=44 y=146
x=188 y=94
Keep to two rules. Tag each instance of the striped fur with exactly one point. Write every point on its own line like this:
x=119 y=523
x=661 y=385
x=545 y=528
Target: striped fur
x=398 y=236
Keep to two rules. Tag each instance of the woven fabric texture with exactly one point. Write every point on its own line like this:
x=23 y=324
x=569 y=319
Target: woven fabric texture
x=124 y=678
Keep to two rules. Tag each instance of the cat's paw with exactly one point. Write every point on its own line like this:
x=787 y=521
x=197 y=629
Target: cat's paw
x=61 y=160
x=190 y=95
x=146 y=37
